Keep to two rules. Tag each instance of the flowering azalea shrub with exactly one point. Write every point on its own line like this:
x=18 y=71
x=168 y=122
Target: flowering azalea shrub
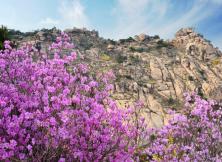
x=51 y=109
x=195 y=135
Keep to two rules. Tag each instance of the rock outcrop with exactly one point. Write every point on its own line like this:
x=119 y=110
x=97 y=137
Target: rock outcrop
x=148 y=68
x=194 y=44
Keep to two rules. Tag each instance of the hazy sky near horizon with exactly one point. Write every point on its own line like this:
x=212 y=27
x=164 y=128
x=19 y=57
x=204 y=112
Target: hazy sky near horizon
x=117 y=18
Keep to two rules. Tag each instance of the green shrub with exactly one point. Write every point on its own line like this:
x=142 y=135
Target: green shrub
x=215 y=62
x=190 y=78
x=134 y=59
x=201 y=72
x=156 y=37
x=152 y=81
x=200 y=92
x=171 y=101
x=128 y=77
x=122 y=40
x=140 y=50
x=4 y=35
x=112 y=41
x=133 y=49
x=88 y=46
x=130 y=39
x=162 y=43
x=105 y=57
x=120 y=59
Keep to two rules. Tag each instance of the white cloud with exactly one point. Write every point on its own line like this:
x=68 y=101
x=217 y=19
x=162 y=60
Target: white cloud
x=49 y=22
x=136 y=17
x=154 y=17
x=190 y=18
x=216 y=1
x=71 y=14
x=218 y=41
x=129 y=6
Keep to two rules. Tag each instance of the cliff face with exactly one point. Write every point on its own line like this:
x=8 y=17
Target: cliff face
x=147 y=68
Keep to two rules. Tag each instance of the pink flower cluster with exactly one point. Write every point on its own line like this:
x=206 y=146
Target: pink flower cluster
x=195 y=135
x=53 y=110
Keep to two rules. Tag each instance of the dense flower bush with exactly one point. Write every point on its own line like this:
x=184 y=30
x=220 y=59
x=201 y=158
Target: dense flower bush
x=52 y=110
x=195 y=135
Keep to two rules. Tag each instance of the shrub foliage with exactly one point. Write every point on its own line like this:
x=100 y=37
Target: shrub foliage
x=4 y=35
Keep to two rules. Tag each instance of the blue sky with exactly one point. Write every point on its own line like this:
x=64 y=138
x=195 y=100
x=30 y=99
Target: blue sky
x=117 y=18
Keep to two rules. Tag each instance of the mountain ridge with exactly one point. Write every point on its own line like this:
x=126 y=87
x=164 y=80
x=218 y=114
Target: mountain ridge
x=148 y=68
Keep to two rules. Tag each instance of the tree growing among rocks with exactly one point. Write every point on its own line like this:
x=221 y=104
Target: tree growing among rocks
x=4 y=35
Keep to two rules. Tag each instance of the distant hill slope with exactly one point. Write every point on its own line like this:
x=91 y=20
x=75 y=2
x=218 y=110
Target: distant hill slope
x=147 y=67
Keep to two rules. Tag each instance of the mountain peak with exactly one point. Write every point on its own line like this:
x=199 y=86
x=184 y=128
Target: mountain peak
x=193 y=43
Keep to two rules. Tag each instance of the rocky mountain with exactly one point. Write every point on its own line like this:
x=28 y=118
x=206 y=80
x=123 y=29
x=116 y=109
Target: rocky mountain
x=148 y=68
